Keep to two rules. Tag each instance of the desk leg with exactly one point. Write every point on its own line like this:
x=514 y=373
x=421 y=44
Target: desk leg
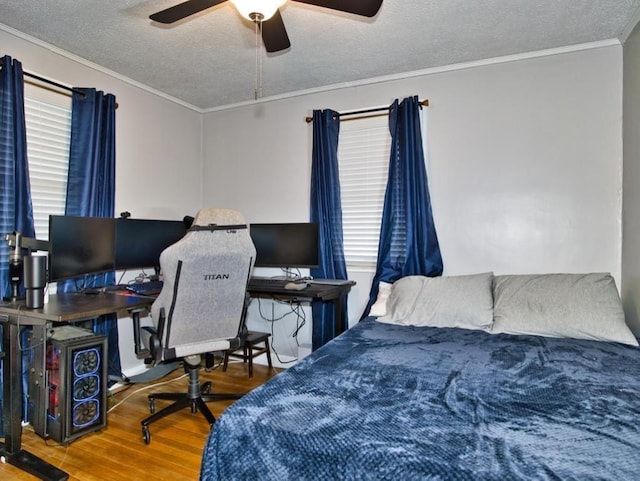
x=338 y=304
x=12 y=389
x=12 y=411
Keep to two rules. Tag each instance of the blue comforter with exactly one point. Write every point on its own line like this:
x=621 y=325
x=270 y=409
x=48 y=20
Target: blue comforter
x=390 y=402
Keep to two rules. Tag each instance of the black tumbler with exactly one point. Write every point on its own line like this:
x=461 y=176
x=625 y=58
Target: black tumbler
x=35 y=280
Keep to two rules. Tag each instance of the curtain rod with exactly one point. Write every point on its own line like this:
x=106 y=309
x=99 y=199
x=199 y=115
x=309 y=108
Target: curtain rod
x=53 y=83
x=424 y=103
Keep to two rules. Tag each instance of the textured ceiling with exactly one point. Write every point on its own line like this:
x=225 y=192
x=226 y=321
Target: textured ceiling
x=208 y=60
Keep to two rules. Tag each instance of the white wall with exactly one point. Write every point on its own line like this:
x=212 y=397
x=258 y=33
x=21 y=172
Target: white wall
x=525 y=163
x=158 y=144
x=631 y=211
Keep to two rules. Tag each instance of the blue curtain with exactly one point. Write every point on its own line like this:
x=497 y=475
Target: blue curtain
x=408 y=240
x=17 y=212
x=16 y=209
x=91 y=189
x=326 y=210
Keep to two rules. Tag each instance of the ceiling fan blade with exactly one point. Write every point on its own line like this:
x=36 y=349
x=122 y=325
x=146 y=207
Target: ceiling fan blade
x=366 y=8
x=182 y=10
x=274 y=34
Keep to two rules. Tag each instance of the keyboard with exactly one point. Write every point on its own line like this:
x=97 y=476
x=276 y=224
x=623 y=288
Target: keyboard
x=266 y=282
x=150 y=288
x=329 y=282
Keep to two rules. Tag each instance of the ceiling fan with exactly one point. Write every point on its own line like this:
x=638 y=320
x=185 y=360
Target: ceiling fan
x=266 y=14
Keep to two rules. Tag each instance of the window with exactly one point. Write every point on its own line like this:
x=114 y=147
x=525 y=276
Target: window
x=364 y=148
x=48 y=124
x=363 y=158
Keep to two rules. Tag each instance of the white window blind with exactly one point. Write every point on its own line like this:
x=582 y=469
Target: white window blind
x=48 y=127
x=363 y=158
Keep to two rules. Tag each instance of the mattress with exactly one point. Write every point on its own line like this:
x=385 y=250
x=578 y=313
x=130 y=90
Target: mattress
x=384 y=401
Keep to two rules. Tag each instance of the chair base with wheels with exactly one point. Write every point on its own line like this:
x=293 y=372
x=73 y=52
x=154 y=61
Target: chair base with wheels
x=195 y=398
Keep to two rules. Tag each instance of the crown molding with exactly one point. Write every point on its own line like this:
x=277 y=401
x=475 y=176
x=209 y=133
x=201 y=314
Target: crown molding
x=427 y=71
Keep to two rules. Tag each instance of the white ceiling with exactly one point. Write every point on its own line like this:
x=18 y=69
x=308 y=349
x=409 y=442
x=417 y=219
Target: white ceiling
x=208 y=60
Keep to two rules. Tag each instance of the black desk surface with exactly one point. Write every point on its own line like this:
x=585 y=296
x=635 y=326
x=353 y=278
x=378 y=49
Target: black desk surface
x=323 y=292
x=76 y=306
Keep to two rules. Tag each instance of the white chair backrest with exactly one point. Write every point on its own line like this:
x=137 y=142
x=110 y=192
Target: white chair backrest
x=205 y=280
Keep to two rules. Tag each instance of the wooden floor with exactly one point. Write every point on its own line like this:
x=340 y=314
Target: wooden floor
x=118 y=452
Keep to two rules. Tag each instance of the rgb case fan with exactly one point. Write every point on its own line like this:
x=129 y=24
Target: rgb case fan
x=86 y=387
x=85 y=413
x=86 y=362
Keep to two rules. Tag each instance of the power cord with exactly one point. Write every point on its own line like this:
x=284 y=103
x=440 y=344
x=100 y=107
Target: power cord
x=150 y=386
x=294 y=308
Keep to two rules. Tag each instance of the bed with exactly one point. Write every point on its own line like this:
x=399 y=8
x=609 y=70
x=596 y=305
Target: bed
x=464 y=394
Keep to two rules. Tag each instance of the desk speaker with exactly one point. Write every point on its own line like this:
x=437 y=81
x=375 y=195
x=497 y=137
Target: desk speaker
x=68 y=396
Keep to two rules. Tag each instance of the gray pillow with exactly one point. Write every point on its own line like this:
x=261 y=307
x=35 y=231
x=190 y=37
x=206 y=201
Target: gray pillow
x=453 y=301
x=402 y=299
x=580 y=306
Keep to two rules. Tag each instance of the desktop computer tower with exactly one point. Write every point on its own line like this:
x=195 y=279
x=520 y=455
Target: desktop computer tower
x=68 y=386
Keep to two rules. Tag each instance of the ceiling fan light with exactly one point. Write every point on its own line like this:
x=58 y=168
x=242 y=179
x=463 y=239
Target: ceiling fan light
x=266 y=8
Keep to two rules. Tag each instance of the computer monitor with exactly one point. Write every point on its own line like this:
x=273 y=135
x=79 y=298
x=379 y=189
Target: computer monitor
x=285 y=245
x=139 y=242
x=79 y=246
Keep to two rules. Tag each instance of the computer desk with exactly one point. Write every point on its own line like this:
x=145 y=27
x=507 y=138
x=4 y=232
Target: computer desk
x=74 y=307
x=60 y=308
x=335 y=294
